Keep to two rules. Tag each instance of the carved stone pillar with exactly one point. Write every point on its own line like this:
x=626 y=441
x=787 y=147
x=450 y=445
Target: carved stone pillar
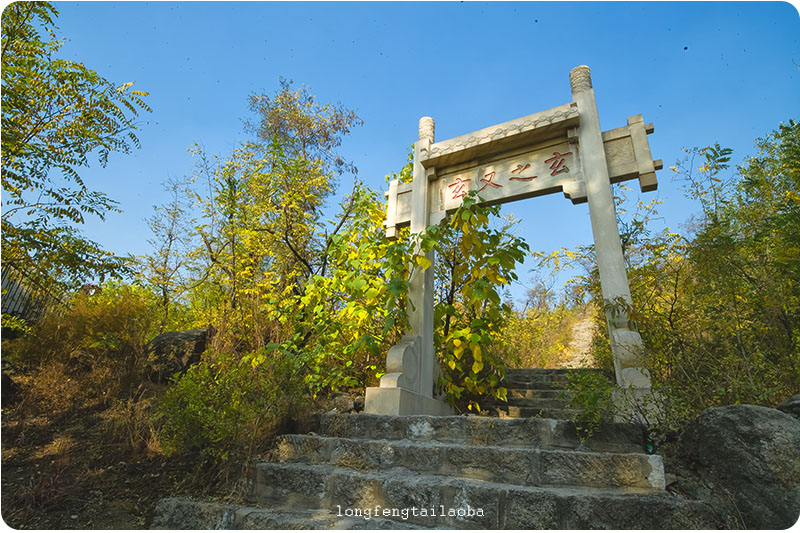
x=626 y=344
x=407 y=386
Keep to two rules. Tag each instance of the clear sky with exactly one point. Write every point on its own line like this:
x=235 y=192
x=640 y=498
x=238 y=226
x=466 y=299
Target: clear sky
x=701 y=72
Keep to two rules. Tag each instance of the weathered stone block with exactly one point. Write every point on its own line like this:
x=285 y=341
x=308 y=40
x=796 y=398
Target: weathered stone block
x=528 y=509
x=636 y=511
x=290 y=484
x=175 y=351
x=601 y=469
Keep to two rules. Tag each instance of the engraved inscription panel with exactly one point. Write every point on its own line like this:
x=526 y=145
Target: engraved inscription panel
x=520 y=176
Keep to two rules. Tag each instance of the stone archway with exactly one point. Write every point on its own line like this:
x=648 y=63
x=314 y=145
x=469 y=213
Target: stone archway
x=557 y=150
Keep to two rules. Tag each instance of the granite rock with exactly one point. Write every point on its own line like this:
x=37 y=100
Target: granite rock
x=745 y=461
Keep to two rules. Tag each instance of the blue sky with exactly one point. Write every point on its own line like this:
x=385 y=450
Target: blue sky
x=701 y=72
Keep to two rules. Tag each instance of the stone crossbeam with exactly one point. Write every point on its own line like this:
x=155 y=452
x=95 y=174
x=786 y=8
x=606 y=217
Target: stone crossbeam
x=515 y=152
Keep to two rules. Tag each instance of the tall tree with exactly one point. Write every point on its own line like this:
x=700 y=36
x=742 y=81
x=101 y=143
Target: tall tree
x=55 y=113
x=263 y=233
x=167 y=267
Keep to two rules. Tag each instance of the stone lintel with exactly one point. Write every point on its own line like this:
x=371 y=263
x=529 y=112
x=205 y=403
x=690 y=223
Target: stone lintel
x=506 y=136
x=627 y=157
x=402 y=402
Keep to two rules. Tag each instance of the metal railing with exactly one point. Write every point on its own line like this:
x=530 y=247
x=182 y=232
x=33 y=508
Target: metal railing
x=22 y=297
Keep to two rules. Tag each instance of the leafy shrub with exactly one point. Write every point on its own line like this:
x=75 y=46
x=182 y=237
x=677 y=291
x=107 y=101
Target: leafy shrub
x=591 y=394
x=14 y=326
x=469 y=317
x=722 y=320
x=350 y=315
x=225 y=408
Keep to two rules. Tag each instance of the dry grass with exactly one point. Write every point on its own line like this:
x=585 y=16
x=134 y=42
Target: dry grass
x=98 y=461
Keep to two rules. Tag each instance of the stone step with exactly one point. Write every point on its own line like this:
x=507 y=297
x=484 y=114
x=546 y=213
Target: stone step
x=540 y=403
x=519 y=465
x=533 y=393
x=549 y=377
x=546 y=371
x=184 y=513
x=459 y=503
x=537 y=384
x=480 y=430
x=513 y=411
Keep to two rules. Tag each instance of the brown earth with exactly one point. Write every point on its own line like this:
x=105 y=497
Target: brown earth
x=59 y=473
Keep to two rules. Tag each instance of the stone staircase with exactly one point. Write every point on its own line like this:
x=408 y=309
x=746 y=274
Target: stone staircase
x=526 y=468
x=536 y=392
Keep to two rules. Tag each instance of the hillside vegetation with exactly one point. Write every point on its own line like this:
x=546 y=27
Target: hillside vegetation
x=305 y=298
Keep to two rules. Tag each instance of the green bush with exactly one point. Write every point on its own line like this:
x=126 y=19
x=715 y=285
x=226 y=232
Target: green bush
x=476 y=261
x=226 y=408
x=721 y=317
x=14 y=326
x=718 y=308
x=591 y=393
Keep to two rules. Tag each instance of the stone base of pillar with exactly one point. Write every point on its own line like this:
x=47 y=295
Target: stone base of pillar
x=402 y=402
x=634 y=405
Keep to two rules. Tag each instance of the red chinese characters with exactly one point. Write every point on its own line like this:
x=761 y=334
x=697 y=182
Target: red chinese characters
x=460 y=185
x=557 y=163
x=518 y=171
x=487 y=181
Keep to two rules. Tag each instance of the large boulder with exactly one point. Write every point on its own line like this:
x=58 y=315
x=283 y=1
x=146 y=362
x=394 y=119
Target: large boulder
x=791 y=406
x=175 y=351
x=745 y=461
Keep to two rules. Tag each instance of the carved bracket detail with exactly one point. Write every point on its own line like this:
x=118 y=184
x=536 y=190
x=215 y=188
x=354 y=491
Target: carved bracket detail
x=402 y=364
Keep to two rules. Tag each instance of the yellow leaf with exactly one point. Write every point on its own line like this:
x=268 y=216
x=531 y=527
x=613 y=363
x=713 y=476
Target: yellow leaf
x=452 y=365
x=422 y=261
